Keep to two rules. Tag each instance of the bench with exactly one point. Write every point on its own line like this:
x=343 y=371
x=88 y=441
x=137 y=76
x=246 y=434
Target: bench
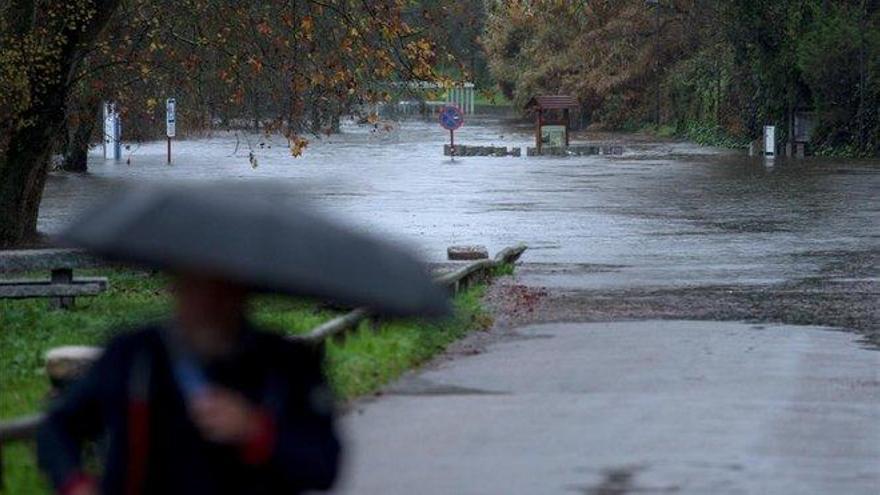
x=61 y=288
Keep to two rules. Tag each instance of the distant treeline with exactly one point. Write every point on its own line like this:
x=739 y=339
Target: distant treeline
x=722 y=68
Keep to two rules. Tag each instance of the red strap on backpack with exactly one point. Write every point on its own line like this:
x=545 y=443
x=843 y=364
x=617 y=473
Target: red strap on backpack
x=138 y=425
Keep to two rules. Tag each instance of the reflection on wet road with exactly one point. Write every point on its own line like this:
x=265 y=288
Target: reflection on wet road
x=661 y=214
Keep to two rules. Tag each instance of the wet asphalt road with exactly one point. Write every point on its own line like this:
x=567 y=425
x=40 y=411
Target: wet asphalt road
x=668 y=230
x=630 y=407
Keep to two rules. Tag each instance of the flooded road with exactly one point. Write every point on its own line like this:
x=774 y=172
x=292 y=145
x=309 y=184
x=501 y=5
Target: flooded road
x=667 y=231
x=662 y=214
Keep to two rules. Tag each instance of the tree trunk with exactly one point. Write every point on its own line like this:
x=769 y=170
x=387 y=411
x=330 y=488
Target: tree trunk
x=76 y=152
x=24 y=164
x=24 y=170
x=863 y=82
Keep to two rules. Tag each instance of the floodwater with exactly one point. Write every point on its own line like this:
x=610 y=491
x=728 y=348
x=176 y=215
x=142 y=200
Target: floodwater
x=663 y=213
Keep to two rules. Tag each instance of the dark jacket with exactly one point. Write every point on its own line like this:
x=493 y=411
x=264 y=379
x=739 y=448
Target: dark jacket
x=149 y=437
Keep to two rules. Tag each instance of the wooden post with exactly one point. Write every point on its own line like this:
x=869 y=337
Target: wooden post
x=61 y=276
x=565 y=116
x=538 y=131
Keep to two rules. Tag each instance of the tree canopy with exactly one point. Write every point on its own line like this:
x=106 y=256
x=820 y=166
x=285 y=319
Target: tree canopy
x=723 y=68
x=291 y=66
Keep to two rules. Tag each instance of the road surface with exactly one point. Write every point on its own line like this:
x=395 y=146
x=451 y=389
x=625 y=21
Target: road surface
x=630 y=407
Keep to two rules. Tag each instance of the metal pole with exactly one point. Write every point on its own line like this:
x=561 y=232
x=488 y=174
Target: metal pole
x=452 y=144
x=117 y=137
x=169 y=150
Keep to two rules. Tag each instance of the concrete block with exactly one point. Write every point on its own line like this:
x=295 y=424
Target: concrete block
x=469 y=150
x=66 y=364
x=45 y=259
x=467 y=252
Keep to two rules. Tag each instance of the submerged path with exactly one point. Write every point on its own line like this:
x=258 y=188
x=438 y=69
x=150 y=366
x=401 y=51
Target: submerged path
x=630 y=407
x=668 y=230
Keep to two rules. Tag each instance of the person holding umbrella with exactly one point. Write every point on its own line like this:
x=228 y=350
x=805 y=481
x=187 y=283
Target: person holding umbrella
x=206 y=403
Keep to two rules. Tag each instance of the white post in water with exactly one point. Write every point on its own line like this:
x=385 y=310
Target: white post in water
x=770 y=141
x=112 y=132
x=105 y=112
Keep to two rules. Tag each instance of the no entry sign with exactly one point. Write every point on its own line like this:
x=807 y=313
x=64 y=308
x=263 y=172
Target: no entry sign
x=451 y=117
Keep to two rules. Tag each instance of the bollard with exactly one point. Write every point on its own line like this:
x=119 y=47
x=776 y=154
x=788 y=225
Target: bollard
x=65 y=364
x=467 y=253
x=770 y=141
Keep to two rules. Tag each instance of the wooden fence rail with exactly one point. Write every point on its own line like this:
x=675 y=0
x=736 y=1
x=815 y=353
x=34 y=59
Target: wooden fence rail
x=25 y=427
x=455 y=281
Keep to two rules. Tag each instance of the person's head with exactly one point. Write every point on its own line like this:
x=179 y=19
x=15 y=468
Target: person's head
x=209 y=311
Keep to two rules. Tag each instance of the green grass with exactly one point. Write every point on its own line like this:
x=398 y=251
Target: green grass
x=702 y=134
x=491 y=97
x=503 y=270
x=358 y=363
x=374 y=354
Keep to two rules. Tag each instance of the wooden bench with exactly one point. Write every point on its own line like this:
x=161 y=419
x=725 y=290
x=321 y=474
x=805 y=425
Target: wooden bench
x=61 y=288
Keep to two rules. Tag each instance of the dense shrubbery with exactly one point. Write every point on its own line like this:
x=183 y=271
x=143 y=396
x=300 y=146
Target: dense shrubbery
x=725 y=68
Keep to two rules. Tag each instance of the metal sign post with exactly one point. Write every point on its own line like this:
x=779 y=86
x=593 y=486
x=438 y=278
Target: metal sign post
x=451 y=118
x=170 y=124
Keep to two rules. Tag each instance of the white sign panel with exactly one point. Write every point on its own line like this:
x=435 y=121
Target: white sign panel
x=770 y=140
x=170 y=117
x=112 y=132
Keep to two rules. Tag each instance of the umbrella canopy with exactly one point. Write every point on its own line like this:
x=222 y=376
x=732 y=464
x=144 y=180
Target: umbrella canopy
x=259 y=237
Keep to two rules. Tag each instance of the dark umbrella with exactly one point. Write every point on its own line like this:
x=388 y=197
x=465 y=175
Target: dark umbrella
x=258 y=236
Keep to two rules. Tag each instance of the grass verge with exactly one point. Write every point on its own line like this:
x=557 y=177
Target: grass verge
x=702 y=134
x=358 y=363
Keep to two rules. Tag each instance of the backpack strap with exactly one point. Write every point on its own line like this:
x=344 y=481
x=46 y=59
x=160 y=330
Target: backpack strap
x=138 y=423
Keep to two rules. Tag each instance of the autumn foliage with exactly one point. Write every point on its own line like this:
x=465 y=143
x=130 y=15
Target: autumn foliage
x=722 y=68
x=292 y=66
